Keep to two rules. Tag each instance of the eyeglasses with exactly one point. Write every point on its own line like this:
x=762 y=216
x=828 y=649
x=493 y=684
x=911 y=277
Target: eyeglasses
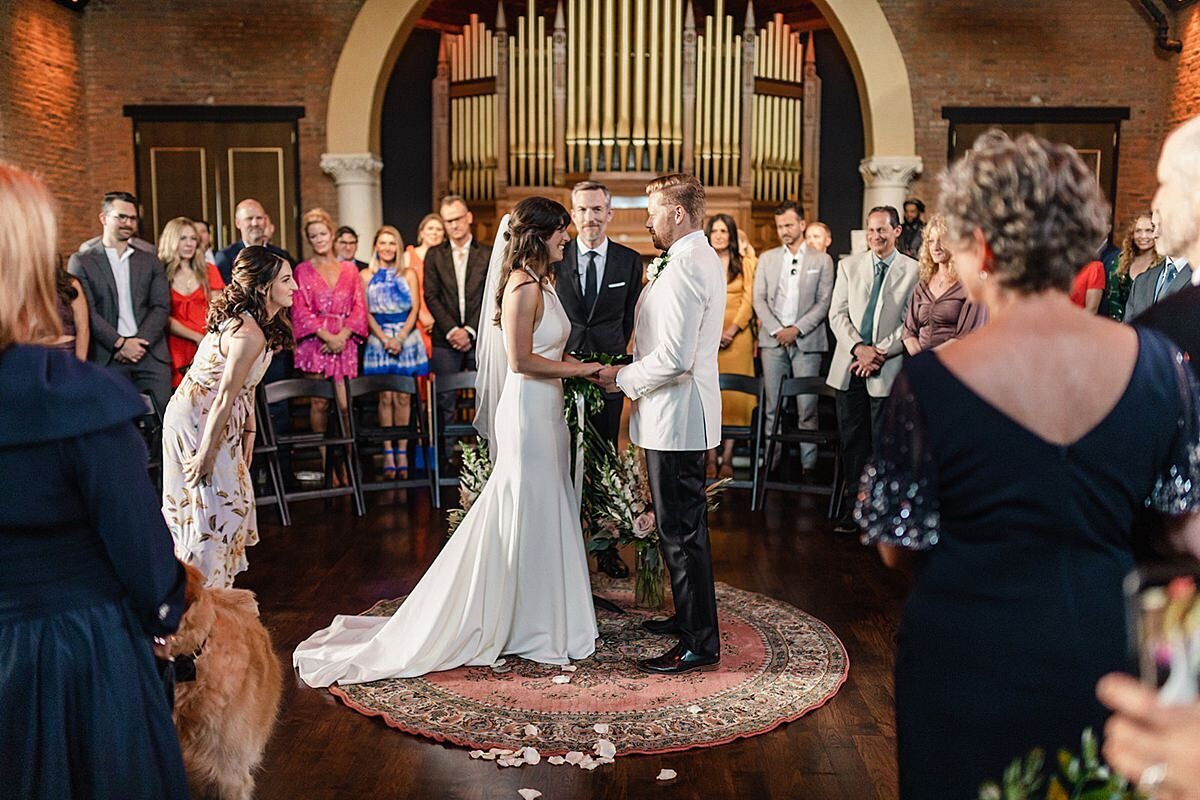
x=452 y=220
x=123 y=217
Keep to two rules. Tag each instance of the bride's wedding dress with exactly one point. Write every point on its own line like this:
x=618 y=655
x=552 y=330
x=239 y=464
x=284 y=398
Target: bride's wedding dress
x=512 y=580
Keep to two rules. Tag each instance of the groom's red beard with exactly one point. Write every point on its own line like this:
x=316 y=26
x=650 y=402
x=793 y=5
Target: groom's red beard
x=657 y=242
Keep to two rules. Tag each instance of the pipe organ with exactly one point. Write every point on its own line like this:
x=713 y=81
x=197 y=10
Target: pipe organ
x=621 y=91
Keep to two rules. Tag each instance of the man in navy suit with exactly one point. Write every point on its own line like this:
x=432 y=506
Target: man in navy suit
x=598 y=283
x=129 y=301
x=251 y=220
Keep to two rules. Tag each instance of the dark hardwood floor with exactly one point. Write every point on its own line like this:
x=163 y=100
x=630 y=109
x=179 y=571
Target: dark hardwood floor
x=331 y=562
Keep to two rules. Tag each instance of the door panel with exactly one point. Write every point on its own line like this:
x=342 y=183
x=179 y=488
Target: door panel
x=179 y=184
x=258 y=172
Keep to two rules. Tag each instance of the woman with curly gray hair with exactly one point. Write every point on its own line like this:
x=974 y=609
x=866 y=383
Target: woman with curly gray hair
x=997 y=478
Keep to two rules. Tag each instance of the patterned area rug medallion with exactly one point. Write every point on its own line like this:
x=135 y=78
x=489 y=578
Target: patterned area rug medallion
x=777 y=664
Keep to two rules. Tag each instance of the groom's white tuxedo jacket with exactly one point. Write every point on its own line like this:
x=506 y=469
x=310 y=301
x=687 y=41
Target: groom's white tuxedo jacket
x=673 y=379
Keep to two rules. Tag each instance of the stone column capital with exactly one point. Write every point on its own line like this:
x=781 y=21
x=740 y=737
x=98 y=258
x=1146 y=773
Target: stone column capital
x=890 y=171
x=352 y=167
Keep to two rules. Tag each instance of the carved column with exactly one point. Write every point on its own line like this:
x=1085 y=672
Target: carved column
x=560 y=97
x=810 y=185
x=887 y=179
x=360 y=204
x=441 y=126
x=689 y=89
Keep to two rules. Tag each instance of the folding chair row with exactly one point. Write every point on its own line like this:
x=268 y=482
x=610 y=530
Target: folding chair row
x=752 y=433
x=444 y=436
x=150 y=425
x=371 y=435
x=822 y=437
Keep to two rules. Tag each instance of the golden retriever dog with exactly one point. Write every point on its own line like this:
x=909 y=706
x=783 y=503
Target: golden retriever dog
x=225 y=716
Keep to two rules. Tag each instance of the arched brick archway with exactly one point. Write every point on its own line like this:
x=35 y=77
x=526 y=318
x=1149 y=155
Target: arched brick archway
x=382 y=26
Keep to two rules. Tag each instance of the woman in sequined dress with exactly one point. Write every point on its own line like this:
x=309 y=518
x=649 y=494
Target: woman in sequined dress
x=1008 y=476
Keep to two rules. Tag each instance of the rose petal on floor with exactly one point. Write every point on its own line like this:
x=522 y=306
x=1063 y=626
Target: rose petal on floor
x=561 y=679
x=531 y=730
x=694 y=709
x=556 y=760
x=531 y=755
x=600 y=728
x=529 y=794
x=570 y=668
x=667 y=775
x=574 y=757
x=605 y=749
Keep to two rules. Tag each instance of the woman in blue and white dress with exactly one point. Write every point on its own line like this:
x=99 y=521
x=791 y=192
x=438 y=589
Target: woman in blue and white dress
x=394 y=346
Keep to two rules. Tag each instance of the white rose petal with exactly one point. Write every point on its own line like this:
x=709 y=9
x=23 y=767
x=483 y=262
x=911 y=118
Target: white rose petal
x=605 y=749
x=532 y=756
x=574 y=757
x=561 y=679
x=667 y=775
x=488 y=756
x=505 y=761
x=499 y=662
x=556 y=760
x=570 y=668
x=531 y=730
x=529 y=794
x=590 y=764
x=600 y=728
x=500 y=751
x=603 y=760
x=694 y=709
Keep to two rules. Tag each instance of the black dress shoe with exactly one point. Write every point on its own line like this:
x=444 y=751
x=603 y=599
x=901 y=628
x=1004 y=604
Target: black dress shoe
x=662 y=627
x=610 y=563
x=677 y=661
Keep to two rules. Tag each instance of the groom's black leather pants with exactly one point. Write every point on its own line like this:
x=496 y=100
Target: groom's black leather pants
x=677 y=485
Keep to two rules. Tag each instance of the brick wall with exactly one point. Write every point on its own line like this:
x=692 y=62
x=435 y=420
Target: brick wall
x=985 y=53
x=60 y=104
x=1185 y=95
x=42 y=104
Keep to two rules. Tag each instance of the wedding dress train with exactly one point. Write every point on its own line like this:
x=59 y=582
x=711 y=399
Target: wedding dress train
x=511 y=580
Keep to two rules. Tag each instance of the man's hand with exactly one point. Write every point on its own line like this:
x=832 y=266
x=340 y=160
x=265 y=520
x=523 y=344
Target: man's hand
x=787 y=336
x=867 y=360
x=459 y=339
x=133 y=349
x=607 y=378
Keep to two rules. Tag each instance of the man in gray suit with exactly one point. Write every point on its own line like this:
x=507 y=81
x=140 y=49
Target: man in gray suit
x=1159 y=282
x=129 y=299
x=792 y=288
x=870 y=299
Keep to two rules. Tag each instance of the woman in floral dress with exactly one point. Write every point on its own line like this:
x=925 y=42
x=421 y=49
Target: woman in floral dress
x=395 y=346
x=209 y=426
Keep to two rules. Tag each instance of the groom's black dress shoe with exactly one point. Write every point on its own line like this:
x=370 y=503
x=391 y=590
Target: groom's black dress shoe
x=610 y=563
x=662 y=627
x=676 y=661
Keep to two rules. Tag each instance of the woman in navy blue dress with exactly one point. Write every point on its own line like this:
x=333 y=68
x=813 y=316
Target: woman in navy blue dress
x=87 y=574
x=1009 y=474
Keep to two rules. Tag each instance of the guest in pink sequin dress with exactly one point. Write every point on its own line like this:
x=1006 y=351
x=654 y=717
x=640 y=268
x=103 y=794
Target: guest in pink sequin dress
x=329 y=316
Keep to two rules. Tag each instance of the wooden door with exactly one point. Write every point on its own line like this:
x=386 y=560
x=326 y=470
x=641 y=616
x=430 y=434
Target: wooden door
x=202 y=168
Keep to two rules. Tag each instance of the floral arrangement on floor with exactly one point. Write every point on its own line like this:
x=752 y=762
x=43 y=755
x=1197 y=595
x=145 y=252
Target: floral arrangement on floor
x=1082 y=777
x=617 y=508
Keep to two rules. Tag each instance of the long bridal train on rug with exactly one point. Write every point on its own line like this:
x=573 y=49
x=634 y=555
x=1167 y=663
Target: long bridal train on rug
x=777 y=664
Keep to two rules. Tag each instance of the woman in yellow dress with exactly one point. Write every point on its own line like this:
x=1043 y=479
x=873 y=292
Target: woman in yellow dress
x=737 y=339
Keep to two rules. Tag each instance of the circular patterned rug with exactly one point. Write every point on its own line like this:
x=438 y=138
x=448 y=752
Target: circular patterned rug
x=777 y=664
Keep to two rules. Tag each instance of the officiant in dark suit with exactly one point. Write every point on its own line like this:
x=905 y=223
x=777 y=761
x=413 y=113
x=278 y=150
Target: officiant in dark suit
x=455 y=274
x=598 y=282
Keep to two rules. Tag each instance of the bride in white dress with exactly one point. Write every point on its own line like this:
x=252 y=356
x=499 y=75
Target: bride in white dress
x=513 y=579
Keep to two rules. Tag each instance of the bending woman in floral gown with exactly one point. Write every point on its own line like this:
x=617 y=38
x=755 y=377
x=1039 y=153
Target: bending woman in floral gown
x=209 y=427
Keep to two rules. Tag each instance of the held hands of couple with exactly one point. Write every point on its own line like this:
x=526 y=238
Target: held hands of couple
x=606 y=378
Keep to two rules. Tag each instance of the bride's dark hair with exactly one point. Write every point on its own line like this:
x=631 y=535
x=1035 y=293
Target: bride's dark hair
x=532 y=222
x=254 y=269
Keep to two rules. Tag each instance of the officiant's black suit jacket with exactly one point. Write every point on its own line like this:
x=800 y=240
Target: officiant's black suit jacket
x=1178 y=317
x=606 y=328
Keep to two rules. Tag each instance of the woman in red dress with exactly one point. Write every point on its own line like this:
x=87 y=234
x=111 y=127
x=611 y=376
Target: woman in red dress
x=192 y=284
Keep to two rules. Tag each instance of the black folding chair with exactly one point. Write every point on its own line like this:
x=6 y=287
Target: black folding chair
x=336 y=439
x=443 y=437
x=823 y=437
x=150 y=424
x=752 y=433
x=370 y=437
x=267 y=449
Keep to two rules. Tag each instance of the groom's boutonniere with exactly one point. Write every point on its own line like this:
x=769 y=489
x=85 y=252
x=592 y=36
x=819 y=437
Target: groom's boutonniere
x=657 y=266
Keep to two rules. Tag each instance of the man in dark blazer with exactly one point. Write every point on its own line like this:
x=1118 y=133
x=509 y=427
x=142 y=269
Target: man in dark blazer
x=251 y=220
x=1158 y=282
x=455 y=274
x=598 y=283
x=129 y=301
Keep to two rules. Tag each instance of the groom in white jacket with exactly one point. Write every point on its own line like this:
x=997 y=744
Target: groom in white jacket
x=676 y=417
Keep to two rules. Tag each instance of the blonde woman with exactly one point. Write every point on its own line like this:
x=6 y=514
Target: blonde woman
x=394 y=346
x=1137 y=255
x=87 y=576
x=193 y=282
x=939 y=311
x=430 y=233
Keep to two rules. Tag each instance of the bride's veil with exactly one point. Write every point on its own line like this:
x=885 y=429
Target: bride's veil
x=491 y=355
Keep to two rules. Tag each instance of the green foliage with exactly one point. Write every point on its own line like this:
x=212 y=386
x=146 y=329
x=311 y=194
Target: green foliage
x=1082 y=777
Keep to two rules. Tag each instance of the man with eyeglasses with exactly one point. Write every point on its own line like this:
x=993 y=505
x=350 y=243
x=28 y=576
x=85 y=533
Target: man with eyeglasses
x=130 y=301
x=792 y=289
x=455 y=274
x=345 y=245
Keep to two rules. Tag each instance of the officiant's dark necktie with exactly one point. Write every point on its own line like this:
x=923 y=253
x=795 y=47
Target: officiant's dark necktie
x=589 y=283
x=867 y=329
